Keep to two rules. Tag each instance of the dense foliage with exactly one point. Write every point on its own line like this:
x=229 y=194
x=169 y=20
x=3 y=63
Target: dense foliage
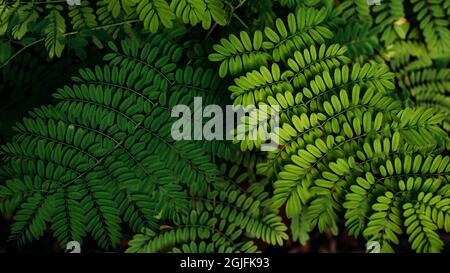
x=362 y=92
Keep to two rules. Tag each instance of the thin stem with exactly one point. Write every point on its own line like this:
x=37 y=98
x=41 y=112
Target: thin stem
x=20 y=51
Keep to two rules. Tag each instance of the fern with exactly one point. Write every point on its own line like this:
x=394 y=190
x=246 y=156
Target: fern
x=304 y=28
x=346 y=144
x=431 y=15
x=238 y=55
x=195 y=227
x=204 y=11
x=100 y=148
x=155 y=12
x=54 y=32
x=120 y=166
x=83 y=16
x=219 y=220
x=25 y=13
x=420 y=74
x=355 y=10
x=391 y=18
x=116 y=7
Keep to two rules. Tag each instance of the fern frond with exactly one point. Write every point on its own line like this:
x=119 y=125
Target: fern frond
x=83 y=16
x=421 y=230
x=390 y=18
x=196 y=11
x=355 y=10
x=306 y=27
x=196 y=226
x=219 y=219
x=54 y=32
x=30 y=223
x=342 y=133
x=240 y=54
x=431 y=15
x=117 y=7
x=106 y=148
x=244 y=54
x=153 y=13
